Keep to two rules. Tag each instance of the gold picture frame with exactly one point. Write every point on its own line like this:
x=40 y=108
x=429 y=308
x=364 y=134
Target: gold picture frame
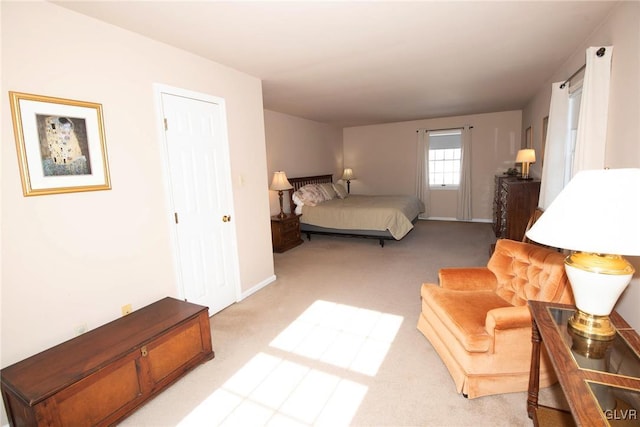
x=60 y=143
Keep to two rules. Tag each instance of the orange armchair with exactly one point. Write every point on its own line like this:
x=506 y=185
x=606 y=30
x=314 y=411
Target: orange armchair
x=479 y=322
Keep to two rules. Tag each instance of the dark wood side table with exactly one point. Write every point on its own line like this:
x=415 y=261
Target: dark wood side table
x=285 y=232
x=600 y=379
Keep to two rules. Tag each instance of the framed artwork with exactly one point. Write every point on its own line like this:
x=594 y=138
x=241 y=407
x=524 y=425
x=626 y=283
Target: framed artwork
x=528 y=138
x=60 y=143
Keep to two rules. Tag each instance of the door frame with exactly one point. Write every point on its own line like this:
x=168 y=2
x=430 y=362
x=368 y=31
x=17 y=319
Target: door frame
x=232 y=263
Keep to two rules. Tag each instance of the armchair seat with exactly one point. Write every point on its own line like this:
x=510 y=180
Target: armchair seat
x=478 y=321
x=463 y=313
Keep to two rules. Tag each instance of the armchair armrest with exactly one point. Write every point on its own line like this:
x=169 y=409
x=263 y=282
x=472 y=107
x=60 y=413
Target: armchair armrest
x=507 y=318
x=468 y=279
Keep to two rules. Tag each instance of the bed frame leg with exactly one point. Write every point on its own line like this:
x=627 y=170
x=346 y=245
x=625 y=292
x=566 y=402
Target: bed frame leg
x=308 y=236
x=382 y=243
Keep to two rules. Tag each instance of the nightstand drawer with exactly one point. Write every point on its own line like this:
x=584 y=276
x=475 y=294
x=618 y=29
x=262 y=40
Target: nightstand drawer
x=291 y=226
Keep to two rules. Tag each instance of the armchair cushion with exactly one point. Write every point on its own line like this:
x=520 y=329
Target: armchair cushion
x=463 y=313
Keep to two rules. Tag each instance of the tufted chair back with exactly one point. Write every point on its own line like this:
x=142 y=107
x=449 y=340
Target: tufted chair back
x=526 y=271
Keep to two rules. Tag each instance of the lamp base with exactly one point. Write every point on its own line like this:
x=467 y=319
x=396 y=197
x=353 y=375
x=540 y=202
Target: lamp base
x=591 y=326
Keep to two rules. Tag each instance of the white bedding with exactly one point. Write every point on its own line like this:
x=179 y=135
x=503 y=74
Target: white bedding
x=358 y=212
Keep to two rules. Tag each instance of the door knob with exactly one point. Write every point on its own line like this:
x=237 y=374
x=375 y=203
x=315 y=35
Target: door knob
x=226 y=218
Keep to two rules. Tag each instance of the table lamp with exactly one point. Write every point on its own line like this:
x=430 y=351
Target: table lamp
x=526 y=156
x=347 y=176
x=597 y=216
x=279 y=184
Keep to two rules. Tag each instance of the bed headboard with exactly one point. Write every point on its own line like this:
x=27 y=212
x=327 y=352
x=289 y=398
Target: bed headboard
x=304 y=180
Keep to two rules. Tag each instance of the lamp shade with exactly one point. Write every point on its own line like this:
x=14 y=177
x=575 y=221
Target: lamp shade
x=598 y=211
x=527 y=155
x=347 y=175
x=280 y=182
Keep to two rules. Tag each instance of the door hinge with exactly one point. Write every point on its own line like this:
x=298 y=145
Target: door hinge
x=166 y=124
x=175 y=215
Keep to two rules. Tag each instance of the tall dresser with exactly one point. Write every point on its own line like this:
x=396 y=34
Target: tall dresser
x=514 y=201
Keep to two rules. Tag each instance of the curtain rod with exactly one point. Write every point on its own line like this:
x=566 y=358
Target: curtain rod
x=600 y=53
x=438 y=130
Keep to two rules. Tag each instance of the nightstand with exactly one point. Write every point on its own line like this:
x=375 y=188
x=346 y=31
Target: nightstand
x=285 y=232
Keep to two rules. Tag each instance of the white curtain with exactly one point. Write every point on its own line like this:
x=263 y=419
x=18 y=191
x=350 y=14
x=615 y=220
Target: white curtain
x=594 y=109
x=555 y=148
x=572 y=147
x=464 y=190
x=422 y=170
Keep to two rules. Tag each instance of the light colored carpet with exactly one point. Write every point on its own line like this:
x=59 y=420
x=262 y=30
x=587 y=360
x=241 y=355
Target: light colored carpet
x=334 y=342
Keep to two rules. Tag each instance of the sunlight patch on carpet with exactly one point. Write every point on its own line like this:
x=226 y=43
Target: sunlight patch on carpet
x=271 y=390
x=349 y=337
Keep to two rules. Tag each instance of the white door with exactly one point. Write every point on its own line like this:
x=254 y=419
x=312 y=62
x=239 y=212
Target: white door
x=196 y=149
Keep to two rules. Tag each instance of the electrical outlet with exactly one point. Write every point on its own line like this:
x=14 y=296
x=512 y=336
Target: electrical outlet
x=126 y=309
x=80 y=329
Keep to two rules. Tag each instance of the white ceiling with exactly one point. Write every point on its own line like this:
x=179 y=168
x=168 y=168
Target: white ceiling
x=357 y=62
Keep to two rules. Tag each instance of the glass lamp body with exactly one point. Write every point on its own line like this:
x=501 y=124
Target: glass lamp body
x=597 y=282
x=596 y=293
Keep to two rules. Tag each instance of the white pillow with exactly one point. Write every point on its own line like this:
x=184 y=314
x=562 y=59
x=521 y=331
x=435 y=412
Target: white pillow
x=327 y=190
x=341 y=191
x=299 y=203
x=311 y=194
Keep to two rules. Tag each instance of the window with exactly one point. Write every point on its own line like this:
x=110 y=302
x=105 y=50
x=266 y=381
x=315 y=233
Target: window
x=445 y=155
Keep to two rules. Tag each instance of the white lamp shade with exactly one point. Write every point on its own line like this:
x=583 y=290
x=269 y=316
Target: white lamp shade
x=347 y=174
x=527 y=155
x=280 y=182
x=598 y=211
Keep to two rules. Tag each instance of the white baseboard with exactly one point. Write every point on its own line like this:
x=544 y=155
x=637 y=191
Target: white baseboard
x=438 y=218
x=257 y=287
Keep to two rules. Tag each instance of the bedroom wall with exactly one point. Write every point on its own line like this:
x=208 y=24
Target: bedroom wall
x=383 y=158
x=73 y=259
x=620 y=30
x=300 y=147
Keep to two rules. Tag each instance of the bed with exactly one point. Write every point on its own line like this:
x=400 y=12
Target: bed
x=374 y=217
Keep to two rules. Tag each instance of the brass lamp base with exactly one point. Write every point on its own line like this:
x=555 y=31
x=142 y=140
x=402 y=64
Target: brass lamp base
x=591 y=326
x=588 y=347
